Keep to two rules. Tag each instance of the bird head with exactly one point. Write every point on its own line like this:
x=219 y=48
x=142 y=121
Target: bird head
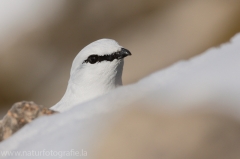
x=100 y=62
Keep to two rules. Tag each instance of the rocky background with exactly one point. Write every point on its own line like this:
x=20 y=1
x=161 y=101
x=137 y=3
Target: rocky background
x=39 y=39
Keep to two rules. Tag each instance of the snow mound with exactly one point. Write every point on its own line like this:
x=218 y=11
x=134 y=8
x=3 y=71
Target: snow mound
x=211 y=76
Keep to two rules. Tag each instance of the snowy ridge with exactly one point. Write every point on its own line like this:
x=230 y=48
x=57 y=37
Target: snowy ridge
x=211 y=76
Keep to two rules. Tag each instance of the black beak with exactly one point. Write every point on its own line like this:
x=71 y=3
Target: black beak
x=124 y=53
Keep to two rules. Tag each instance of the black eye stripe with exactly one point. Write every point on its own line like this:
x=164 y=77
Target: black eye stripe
x=110 y=57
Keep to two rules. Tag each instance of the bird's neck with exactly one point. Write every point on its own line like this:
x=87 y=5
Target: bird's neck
x=88 y=88
x=76 y=94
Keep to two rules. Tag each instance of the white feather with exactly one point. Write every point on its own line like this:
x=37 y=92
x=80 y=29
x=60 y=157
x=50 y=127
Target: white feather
x=88 y=81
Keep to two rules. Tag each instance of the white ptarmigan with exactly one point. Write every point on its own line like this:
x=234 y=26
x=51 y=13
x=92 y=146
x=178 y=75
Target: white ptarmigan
x=96 y=70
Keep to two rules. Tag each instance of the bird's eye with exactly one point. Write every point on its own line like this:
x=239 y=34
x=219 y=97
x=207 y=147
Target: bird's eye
x=92 y=59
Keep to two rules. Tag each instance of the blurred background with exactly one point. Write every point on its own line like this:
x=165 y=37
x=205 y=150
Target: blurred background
x=39 y=39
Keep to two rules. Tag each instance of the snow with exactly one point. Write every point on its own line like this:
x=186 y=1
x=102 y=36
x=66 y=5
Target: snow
x=213 y=76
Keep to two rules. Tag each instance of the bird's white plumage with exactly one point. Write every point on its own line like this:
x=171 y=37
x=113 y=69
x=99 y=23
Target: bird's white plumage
x=99 y=47
x=91 y=80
